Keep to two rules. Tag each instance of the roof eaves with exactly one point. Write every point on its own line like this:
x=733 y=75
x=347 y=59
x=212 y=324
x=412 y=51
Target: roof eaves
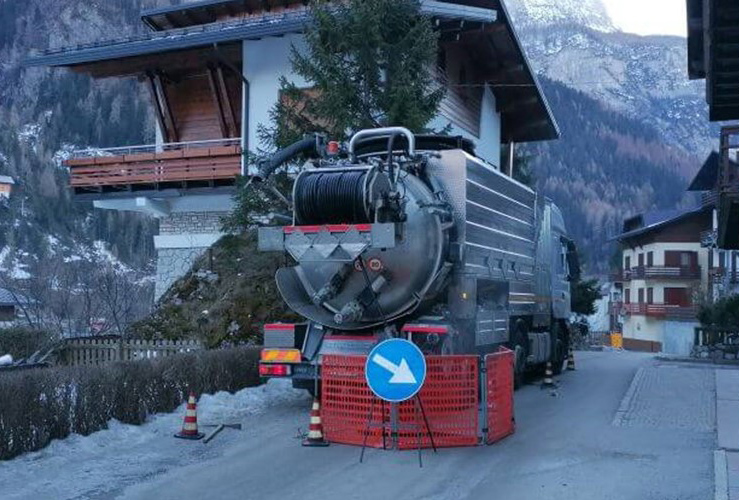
x=171 y=40
x=660 y=224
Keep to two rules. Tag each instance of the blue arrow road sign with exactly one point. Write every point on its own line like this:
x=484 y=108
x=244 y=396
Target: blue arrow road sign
x=395 y=370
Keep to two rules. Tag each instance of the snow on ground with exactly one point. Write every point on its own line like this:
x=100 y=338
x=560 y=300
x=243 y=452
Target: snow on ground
x=104 y=463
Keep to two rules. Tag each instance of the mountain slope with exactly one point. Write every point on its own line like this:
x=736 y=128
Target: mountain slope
x=605 y=167
x=643 y=77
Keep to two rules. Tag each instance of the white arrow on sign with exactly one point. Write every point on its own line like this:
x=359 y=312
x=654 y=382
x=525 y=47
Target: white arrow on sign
x=402 y=374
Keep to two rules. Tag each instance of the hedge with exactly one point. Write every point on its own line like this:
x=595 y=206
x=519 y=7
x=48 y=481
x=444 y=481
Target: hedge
x=44 y=404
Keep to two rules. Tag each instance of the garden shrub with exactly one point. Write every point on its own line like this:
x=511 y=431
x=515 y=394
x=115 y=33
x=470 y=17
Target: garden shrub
x=39 y=405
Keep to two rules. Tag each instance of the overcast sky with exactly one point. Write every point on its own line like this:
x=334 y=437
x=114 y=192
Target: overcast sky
x=649 y=17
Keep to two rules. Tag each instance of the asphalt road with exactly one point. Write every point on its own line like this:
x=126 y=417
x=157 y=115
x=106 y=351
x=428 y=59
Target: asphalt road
x=597 y=439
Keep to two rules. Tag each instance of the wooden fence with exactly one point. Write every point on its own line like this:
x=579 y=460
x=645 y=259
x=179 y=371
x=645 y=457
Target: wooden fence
x=100 y=351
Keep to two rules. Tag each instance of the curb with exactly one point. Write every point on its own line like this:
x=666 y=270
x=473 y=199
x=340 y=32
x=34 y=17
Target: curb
x=721 y=477
x=623 y=408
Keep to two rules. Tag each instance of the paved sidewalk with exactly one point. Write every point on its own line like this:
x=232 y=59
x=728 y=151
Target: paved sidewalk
x=727 y=426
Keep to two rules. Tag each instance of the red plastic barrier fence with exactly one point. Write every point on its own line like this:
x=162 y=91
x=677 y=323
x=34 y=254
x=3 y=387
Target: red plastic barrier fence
x=449 y=398
x=450 y=401
x=346 y=402
x=500 y=419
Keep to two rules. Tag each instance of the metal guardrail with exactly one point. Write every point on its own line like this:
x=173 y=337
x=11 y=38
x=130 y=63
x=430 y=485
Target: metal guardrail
x=153 y=148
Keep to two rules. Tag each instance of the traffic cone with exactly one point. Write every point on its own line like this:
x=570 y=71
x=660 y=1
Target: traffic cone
x=571 y=360
x=315 y=431
x=548 y=377
x=190 y=425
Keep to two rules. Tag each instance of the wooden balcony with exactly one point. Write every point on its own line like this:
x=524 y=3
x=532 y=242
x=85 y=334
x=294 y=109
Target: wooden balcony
x=662 y=272
x=662 y=311
x=183 y=165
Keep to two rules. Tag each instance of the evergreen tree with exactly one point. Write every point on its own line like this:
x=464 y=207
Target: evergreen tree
x=584 y=296
x=368 y=64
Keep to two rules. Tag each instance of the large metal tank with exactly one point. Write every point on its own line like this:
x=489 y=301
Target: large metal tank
x=357 y=271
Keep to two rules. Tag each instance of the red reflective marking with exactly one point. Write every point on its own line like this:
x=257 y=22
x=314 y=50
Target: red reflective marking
x=425 y=329
x=274 y=370
x=279 y=326
x=350 y=337
x=332 y=228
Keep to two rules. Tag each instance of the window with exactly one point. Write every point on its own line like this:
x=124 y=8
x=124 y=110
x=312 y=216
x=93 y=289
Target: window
x=641 y=260
x=675 y=258
x=650 y=295
x=627 y=263
x=641 y=295
x=650 y=259
x=677 y=297
x=627 y=296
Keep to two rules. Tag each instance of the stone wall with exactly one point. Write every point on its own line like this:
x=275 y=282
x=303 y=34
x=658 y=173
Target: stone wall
x=172 y=264
x=183 y=237
x=191 y=223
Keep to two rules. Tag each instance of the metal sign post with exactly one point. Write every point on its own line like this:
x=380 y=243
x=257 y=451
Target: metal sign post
x=395 y=372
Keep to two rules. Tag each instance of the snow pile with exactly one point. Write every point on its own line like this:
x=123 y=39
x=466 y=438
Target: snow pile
x=105 y=462
x=6 y=360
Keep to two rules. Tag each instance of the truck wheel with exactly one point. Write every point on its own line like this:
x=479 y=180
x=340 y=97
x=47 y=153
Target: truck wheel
x=520 y=353
x=559 y=350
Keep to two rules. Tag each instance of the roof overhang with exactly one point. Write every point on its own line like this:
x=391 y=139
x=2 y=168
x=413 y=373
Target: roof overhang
x=484 y=25
x=525 y=112
x=713 y=54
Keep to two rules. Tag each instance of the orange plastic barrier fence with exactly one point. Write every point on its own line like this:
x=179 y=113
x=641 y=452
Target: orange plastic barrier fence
x=500 y=420
x=449 y=398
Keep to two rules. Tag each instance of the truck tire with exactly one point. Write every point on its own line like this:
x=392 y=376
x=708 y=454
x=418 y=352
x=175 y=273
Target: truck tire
x=520 y=349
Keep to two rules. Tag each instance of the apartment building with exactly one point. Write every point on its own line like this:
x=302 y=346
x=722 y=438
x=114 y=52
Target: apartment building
x=665 y=273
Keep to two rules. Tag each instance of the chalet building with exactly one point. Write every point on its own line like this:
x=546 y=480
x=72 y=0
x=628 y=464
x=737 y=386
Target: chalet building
x=6 y=186
x=10 y=307
x=212 y=68
x=672 y=263
x=713 y=39
x=664 y=276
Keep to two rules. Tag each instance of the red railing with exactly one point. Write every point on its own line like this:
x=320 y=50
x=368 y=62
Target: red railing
x=665 y=272
x=664 y=311
x=152 y=164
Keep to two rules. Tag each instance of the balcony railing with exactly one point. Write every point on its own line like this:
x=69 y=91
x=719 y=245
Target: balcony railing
x=662 y=272
x=112 y=169
x=721 y=273
x=663 y=311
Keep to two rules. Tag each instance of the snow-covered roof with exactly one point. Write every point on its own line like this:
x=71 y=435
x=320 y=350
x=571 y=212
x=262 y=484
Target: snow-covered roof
x=6 y=179
x=8 y=299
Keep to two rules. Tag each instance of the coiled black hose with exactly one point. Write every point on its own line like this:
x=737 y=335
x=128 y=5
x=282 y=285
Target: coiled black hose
x=331 y=198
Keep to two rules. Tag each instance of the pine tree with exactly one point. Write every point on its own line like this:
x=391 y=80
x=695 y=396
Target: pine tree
x=369 y=64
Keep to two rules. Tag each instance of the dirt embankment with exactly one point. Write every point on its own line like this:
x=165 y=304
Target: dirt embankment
x=225 y=299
